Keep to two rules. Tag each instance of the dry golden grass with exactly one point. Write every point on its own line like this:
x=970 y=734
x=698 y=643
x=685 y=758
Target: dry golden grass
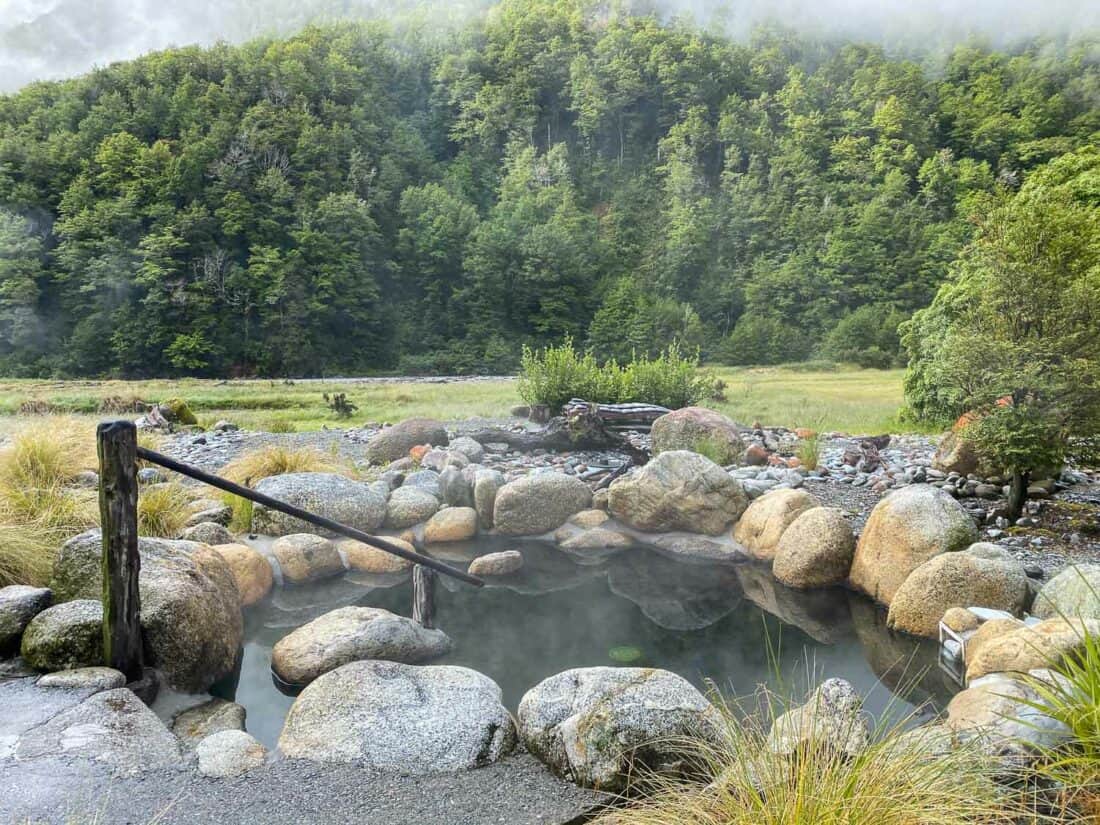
x=277 y=460
x=892 y=782
x=162 y=510
x=39 y=509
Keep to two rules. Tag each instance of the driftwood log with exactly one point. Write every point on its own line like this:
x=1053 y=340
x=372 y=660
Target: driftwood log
x=581 y=429
x=619 y=416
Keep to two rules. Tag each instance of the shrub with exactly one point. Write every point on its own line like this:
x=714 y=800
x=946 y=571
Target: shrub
x=809 y=451
x=555 y=375
x=764 y=340
x=868 y=337
x=892 y=782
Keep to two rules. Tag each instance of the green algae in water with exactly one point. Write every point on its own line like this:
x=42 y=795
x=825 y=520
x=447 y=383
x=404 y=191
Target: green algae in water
x=625 y=654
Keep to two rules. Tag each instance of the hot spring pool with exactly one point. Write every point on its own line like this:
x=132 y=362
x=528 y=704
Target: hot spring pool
x=730 y=625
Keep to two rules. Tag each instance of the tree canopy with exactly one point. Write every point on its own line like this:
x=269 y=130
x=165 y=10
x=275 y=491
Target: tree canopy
x=355 y=198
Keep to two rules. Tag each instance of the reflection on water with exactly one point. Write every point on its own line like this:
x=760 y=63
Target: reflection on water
x=732 y=625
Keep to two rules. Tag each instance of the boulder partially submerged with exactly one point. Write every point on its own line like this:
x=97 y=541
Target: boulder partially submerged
x=594 y=725
x=351 y=634
x=395 y=717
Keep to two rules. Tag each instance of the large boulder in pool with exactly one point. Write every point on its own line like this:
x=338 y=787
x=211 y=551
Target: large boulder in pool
x=18 y=605
x=595 y=725
x=957 y=580
x=1073 y=594
x=816 y=549
x=395 y=442
x=906 y=529
x=190 y=606
x=678 y=490
x=341 y=499
x=765 y=520
x=393 y=717
x=539 y=503
x=65 y=636
x=698 y=429
x=350 y=634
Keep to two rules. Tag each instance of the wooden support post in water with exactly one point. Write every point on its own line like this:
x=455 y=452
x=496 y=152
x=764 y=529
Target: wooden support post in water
x=118 y=492
x=424 y=595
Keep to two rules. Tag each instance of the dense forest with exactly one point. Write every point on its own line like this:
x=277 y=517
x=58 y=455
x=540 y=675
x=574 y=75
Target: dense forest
x=360 y=198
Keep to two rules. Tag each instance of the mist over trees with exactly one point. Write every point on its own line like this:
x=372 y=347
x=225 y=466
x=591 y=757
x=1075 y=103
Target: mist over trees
x=357 y=197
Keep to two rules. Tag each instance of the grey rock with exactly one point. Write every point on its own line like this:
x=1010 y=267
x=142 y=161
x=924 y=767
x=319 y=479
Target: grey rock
x=18 y=605
x=678 y=490
x=456 y=488
x=229 y=753
x=351 y=634
x=468 y=447
x=539 y=503
x=396 y=717
x=208 y=532
x=91 y=678
x=112 y=727
x=304 y=557
x=151 y=475
x=832 y=717
x=487 y=484
x=440 y=460
x=190 y=606
x=1074 y=593
x=196 y=723
x=496 y=564
x=409 y=505
x=87 y=479
x=65 y=636
x=1004 y=714
x=697 y=548
x=591 y=724
x=426 y=479
x=393 y=443
x=221 y=514
x=326 y=494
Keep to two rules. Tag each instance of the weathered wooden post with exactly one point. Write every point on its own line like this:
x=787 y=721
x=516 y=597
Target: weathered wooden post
x=118 y=492
x=424 y=596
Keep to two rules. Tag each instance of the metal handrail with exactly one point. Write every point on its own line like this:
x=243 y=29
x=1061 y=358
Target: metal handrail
x=304 y=515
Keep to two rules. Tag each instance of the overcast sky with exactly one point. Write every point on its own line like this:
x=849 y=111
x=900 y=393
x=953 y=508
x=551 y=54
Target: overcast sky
x=57 y=38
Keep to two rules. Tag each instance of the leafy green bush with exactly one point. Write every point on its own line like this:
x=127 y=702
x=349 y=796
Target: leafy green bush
x=868 y=337
x=764 y=339
x=554 y=375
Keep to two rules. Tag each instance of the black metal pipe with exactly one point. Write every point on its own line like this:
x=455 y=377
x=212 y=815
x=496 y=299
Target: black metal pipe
x=304 y=515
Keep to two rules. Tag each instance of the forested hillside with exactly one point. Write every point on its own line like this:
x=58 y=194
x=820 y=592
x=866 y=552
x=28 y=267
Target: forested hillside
x=351 y=200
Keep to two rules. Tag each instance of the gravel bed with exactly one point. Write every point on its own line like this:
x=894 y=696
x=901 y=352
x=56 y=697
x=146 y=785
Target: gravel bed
x=517 y=790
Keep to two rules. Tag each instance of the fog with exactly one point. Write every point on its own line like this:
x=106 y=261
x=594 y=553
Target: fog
x=43 y=39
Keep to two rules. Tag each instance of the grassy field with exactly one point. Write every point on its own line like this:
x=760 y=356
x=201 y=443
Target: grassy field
x=862 y=401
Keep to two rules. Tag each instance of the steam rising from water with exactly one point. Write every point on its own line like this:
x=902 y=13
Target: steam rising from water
x=42 y=39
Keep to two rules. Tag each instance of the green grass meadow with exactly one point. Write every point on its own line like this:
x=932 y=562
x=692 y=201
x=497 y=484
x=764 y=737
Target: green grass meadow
x=846 y=400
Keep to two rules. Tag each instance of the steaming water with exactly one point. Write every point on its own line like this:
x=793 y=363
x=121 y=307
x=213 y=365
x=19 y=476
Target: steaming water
x=730 y=625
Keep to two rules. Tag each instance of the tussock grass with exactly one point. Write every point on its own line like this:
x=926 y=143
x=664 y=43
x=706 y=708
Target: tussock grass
x=277 y=460
x=39 y=509
x=894 y=781
x=162 y=510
